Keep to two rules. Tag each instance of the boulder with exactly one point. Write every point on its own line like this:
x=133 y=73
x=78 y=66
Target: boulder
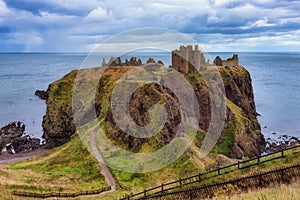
x=25 y=144
x=10 y=132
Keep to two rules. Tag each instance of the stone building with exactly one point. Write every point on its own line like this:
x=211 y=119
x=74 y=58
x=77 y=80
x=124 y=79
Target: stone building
x=230 y=62
x=187 y=59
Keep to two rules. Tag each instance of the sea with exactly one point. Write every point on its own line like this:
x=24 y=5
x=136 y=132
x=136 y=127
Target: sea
x=275 y=79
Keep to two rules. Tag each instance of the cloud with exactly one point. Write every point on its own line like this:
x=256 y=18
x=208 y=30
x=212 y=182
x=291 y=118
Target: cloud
x=76 y=25
x=260 y=23
x=99 y=14
x=30 y=40
x=4 y=9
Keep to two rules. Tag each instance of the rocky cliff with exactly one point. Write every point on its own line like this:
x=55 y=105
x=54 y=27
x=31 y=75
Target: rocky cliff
x=241 y=135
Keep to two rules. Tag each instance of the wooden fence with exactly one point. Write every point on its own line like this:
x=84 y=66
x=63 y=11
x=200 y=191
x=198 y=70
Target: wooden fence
x=263 y=179
x=165 y=187
x=59 y=194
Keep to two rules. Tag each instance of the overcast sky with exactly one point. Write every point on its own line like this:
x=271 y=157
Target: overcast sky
x=218 y=25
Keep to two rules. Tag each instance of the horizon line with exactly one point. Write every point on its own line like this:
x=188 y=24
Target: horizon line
x=77 y=52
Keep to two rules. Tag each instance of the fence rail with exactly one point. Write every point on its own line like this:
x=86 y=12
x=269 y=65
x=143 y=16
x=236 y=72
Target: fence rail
x=164 y=187
x=282 y=174
x=59 y=194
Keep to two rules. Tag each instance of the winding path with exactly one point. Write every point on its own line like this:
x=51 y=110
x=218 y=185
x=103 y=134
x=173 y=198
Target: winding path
x=104 y=169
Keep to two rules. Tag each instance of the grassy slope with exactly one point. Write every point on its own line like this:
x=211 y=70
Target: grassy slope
x=278 y=192
x=72 y=168
x=68 y=168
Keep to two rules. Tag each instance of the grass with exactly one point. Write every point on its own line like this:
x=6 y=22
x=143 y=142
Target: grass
x=276 y=191
x=68 y=168
x=72 y=168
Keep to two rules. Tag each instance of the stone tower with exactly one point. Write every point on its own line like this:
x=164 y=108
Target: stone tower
x=187 y=59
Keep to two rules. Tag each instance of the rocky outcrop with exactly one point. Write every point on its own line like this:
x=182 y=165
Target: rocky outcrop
x=42 y=94
x=11 y=137
x=58 y=123
x=10 y=132
x=249 y=141
x=25 y=144
x=241 y=136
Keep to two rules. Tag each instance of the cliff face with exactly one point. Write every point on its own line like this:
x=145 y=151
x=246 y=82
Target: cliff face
x=242 y=115
x=240 y=137
x=58 y=123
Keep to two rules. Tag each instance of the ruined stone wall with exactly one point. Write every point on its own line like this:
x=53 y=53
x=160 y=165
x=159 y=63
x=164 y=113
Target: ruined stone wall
x=187 y=59
x=230 y=62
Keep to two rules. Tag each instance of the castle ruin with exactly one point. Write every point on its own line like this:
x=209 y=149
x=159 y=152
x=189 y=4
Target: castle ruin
x=117 y=62
x=187 y=59
x=230 y=62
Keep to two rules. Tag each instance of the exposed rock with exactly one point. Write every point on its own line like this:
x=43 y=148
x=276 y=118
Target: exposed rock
x=281 y=142
x=25 y=144
x=11 y=137
x=42 y=94
x=58 y=133
x=58 y=123
x=10 y=132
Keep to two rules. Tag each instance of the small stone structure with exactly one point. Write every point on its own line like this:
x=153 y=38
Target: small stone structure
x=117 y=62
x=230 y=62
x=187 y=59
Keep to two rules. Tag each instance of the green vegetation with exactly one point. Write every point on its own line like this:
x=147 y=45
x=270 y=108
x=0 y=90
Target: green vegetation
x=275 y=191
x=68 y=168
x=226 y=143
x=71 y=167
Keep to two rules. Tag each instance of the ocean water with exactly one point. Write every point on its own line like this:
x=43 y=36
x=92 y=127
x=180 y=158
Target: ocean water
x=20 y=76
x=275 y=79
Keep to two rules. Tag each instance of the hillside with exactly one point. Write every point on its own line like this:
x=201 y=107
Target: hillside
x=73 y=165
x=241 y=135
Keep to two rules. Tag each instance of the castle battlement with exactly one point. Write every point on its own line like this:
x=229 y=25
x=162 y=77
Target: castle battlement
x=187 y=59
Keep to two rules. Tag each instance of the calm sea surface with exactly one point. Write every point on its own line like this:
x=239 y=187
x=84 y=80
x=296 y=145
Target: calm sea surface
x=275 y=79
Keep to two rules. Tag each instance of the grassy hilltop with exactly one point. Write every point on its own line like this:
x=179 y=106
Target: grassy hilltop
x=71 y=167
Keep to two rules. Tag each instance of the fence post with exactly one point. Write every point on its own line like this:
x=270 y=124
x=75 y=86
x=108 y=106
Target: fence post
x=282 y=175
x=180 y=182
x=260 y=180
x=238 y=164
x=282 y=152
x=199 y=176
x=162 y=188
x=145 y=193
x=258 y=159
x=219 y=171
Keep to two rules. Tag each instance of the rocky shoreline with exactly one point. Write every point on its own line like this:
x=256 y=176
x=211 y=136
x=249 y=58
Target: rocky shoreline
x=280 y=142
x=14 y=139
